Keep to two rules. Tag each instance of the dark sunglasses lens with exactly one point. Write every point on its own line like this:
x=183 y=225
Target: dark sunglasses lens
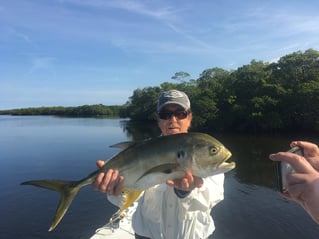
x=181 y=114
x=168 y=115
x=164 y=115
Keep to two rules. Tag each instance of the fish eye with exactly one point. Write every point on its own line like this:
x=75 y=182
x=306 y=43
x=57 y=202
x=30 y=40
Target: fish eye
x=213 y=150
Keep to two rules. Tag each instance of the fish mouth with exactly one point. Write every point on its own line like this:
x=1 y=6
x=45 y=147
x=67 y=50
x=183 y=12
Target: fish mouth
x=224 y=163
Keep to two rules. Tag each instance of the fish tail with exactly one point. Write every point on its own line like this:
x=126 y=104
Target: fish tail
x=68 y=190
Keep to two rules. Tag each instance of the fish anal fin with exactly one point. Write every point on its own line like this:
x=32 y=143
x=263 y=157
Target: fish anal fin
x=130 y=197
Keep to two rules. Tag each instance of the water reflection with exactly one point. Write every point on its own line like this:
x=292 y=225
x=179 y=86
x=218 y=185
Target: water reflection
x=251 y=155
x=140 y=130
x=66 y=148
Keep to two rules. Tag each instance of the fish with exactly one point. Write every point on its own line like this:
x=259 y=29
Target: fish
x=147 y=163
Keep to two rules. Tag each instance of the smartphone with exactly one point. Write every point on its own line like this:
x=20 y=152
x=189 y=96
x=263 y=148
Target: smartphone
x=283 y=169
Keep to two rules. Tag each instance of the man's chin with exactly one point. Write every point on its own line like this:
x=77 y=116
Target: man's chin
x=173 y=131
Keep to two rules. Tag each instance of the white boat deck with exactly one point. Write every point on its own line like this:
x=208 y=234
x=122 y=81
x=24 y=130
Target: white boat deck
x=118 y=230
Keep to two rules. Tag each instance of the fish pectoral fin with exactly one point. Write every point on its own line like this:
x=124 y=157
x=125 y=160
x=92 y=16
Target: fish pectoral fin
x=130 y=197
x=163 y=168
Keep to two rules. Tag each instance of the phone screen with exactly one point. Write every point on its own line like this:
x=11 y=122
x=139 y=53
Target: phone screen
x=283 y=169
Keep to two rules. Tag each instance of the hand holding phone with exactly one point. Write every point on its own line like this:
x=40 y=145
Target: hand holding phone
x=283 y=169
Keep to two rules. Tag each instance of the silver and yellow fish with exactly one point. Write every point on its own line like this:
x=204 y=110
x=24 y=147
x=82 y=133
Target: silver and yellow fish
x=148 y=163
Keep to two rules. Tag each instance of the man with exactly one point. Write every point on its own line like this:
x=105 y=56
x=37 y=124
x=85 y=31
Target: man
x=181 y=207
x=303 y=185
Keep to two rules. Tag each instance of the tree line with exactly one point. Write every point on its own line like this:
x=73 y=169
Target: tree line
x=97 y=110
x=260 y=96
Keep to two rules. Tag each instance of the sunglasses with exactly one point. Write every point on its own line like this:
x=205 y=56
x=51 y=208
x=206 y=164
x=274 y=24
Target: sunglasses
x=180 y=114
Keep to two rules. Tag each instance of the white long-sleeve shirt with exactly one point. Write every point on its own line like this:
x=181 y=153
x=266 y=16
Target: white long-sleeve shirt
x=161 y=214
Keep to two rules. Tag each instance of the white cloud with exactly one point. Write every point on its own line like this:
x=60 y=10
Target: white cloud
x=42 y=63
x=135 y=7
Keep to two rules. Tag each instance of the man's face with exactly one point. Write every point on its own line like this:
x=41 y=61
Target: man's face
x=177 y=120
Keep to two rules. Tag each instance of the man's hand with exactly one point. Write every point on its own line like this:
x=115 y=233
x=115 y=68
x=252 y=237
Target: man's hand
x=311 y=152
x=188 y=183
x=303 y=185
x=110 y=181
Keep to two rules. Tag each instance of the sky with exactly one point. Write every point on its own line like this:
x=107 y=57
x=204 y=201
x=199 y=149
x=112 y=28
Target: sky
x=77 y=52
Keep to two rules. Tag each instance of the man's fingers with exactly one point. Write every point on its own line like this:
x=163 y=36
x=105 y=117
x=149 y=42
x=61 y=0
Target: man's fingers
x=307 y=146
x=311 y=152
x=198 y=182
x=299 y=163
x=188 y=183
x=119 y=186
x=102 y=182
x=185 y=184
x=113 y=181
x=97 y=185
x=190 y=178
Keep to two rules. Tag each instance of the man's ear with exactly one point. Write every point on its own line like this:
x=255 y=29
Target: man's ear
x=190 y=115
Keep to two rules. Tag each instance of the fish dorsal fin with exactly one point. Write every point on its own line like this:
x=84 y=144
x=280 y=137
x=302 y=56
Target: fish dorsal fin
x=130 y=197
x=123 y=145
x=127 y=144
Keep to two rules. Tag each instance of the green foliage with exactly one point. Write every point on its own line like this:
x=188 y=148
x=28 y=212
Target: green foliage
x=80 y=111
x=181 y=76
x=256 y=97
x=143 y=103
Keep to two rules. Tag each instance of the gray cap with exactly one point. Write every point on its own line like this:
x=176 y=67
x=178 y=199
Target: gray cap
x=173 y=97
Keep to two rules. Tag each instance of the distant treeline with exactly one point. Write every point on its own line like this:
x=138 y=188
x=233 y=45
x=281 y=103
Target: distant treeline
x=78 y=111
x=259 y=96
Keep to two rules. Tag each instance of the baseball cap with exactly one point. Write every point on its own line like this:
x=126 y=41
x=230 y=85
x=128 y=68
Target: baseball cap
x=173 y=97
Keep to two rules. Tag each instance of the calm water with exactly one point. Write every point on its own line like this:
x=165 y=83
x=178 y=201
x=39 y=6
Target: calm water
x=67 y=148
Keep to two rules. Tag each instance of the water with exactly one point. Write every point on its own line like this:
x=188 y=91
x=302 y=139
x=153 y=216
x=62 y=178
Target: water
x=37 y=147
